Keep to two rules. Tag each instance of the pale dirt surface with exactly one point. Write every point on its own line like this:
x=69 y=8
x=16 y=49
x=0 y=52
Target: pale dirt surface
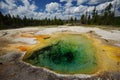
x=13 y=68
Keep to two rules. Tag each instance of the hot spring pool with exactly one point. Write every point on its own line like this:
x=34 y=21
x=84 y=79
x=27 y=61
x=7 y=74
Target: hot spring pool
x=65 y=54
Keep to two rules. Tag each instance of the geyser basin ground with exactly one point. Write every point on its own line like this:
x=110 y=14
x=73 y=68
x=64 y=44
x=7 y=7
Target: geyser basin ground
x=67 y=54
x=18 y=42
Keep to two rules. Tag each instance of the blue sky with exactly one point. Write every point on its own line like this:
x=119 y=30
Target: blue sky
x=40 y=9
x=42 y=3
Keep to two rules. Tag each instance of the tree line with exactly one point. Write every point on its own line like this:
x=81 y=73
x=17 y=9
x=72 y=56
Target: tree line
x=107 y=17
x=7 y=21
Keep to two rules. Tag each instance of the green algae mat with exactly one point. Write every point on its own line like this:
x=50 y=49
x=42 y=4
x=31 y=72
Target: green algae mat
x=67 y=54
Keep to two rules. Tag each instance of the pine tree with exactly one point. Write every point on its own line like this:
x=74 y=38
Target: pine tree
x=86 y=17
x=89 y=19
x=108 y=14
x=71 y=20
x=83 y=19
x=75 y=20
x=25 y=21
x=1 y=21
x=94 y=16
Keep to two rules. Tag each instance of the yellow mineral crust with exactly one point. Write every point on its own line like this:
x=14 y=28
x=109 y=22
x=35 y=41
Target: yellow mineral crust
x=108 y=56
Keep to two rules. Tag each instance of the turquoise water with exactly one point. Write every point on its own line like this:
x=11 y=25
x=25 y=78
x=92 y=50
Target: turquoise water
x=71 y=54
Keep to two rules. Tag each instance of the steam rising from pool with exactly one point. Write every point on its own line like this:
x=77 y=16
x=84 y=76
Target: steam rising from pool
x=67 y=54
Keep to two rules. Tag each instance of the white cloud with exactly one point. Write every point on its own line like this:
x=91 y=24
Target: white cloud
x=40 y=15
x=62 y=0
x=90 y=9
x=81 y=1
x=33 y=7
x=68 y=4
x=66 y=0
x=77 y=9
x=102 y=6
x=10 y=4
x=91 y=2
x=3 y=5
x=52 y=6
x=28 y=8
x=26 y=3
x=97 y=1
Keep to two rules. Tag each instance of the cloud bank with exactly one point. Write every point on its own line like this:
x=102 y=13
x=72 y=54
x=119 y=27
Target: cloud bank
x=29 y=9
